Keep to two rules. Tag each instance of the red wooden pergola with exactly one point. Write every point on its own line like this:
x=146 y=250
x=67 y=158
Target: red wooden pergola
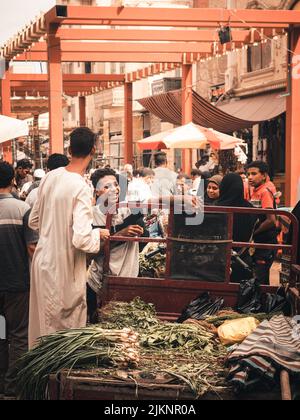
x=68 y=34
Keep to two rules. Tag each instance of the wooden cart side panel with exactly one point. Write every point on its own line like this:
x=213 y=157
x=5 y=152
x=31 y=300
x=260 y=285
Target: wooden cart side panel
x=170 y=296
x=88 y=388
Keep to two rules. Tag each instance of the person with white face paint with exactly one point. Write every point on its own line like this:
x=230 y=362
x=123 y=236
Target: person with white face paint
x=124 y=257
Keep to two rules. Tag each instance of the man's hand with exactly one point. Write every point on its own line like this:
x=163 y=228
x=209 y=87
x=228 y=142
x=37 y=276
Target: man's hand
x=104 y=234
x=268 y=224
x=131 y=231
x=31 y=250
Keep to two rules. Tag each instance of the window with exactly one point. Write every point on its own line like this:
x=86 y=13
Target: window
x=259 y=56
x=113 y=68
x=88 y=67
x=122 y=68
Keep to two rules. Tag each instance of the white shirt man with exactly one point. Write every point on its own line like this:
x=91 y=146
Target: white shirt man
x=63 y=216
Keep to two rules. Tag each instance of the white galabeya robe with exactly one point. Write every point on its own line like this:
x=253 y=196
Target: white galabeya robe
x=63 y=216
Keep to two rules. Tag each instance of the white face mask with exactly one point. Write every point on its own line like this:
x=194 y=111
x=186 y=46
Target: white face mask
x=110 y=196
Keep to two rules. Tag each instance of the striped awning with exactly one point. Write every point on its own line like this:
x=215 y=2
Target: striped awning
x=167 y=107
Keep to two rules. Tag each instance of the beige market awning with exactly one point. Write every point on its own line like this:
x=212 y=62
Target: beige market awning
x=256 y=108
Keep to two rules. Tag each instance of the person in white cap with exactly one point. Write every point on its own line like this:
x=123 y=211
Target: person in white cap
x=31 y=192
x=55 y=161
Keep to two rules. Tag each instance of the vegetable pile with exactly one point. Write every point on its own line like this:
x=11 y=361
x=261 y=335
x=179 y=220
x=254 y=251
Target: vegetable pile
x=78 y=348
x=136 y=314
x=155 y=266
x=130 y=339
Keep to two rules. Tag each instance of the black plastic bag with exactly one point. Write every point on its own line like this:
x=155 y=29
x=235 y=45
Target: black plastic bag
x=241 y=269
x=278 y=302
x=249 y=299
x=201 y=307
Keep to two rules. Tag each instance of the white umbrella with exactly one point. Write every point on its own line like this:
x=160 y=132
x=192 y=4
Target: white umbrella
x=11 y=128
x=190 y=136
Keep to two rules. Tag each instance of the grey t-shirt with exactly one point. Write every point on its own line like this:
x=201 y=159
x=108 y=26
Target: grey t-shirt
x=164 y=182
x=14 y=237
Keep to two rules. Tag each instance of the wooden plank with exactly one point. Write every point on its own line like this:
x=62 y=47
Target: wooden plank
x=154 y=35
x=195 y=16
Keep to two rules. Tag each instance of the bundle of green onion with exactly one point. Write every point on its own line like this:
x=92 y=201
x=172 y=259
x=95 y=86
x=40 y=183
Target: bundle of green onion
x=222 y=316
x=90 y=347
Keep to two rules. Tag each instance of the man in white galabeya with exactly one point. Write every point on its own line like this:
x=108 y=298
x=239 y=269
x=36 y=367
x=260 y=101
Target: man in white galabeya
x=63 y=215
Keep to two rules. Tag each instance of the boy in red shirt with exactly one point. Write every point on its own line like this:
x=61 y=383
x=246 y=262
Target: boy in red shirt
x=262 y=196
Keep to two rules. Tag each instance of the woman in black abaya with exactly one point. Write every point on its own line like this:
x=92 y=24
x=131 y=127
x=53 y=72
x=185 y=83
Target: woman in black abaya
x=232 y=195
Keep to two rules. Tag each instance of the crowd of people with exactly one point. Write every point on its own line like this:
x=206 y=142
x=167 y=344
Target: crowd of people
x=50 y=221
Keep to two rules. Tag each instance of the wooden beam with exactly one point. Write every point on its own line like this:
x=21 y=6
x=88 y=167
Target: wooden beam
x=68 y=78
x=187 y=110
x=56 y=91
x=94 y=77
x=82 y=111
x=115 y=57
x=170 y=17
x=66 y=85
x=185 y=24
x=6 y=110
x=130 y=47
x=152 y=35
x=120 y=57
x=128 y=123
x=139 y=47
x=31 y=56
x=293 y=124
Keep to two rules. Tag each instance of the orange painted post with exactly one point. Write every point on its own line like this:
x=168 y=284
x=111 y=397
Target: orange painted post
x=36 y=140
x=187 y=111
x=128 y=124
x=6 y=110
x=55 y=91
x=82 y=111
x=293 y=124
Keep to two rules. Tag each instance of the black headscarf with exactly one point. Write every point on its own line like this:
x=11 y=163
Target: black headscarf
x=232 y=195
x=232 y=192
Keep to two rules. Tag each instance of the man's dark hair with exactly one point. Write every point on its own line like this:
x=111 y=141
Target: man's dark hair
x=160 y=158
x=144 y=172
x=263 y=167
x=242 y=171
x=196 y=172
x=7 y=174
x=203 y=161
x=182 y=175
x=82 y=141
x=57 y=160
x=137 y=172
x=24 y=164
x=101 y=173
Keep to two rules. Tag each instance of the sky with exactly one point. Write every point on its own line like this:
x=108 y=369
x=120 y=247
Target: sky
x=15 y=14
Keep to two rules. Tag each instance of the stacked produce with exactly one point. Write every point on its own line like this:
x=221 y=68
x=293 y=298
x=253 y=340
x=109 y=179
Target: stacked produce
x=187 y=354
x=132 y=340
x=136 y=314
x=89 y=347
x=154 y=266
